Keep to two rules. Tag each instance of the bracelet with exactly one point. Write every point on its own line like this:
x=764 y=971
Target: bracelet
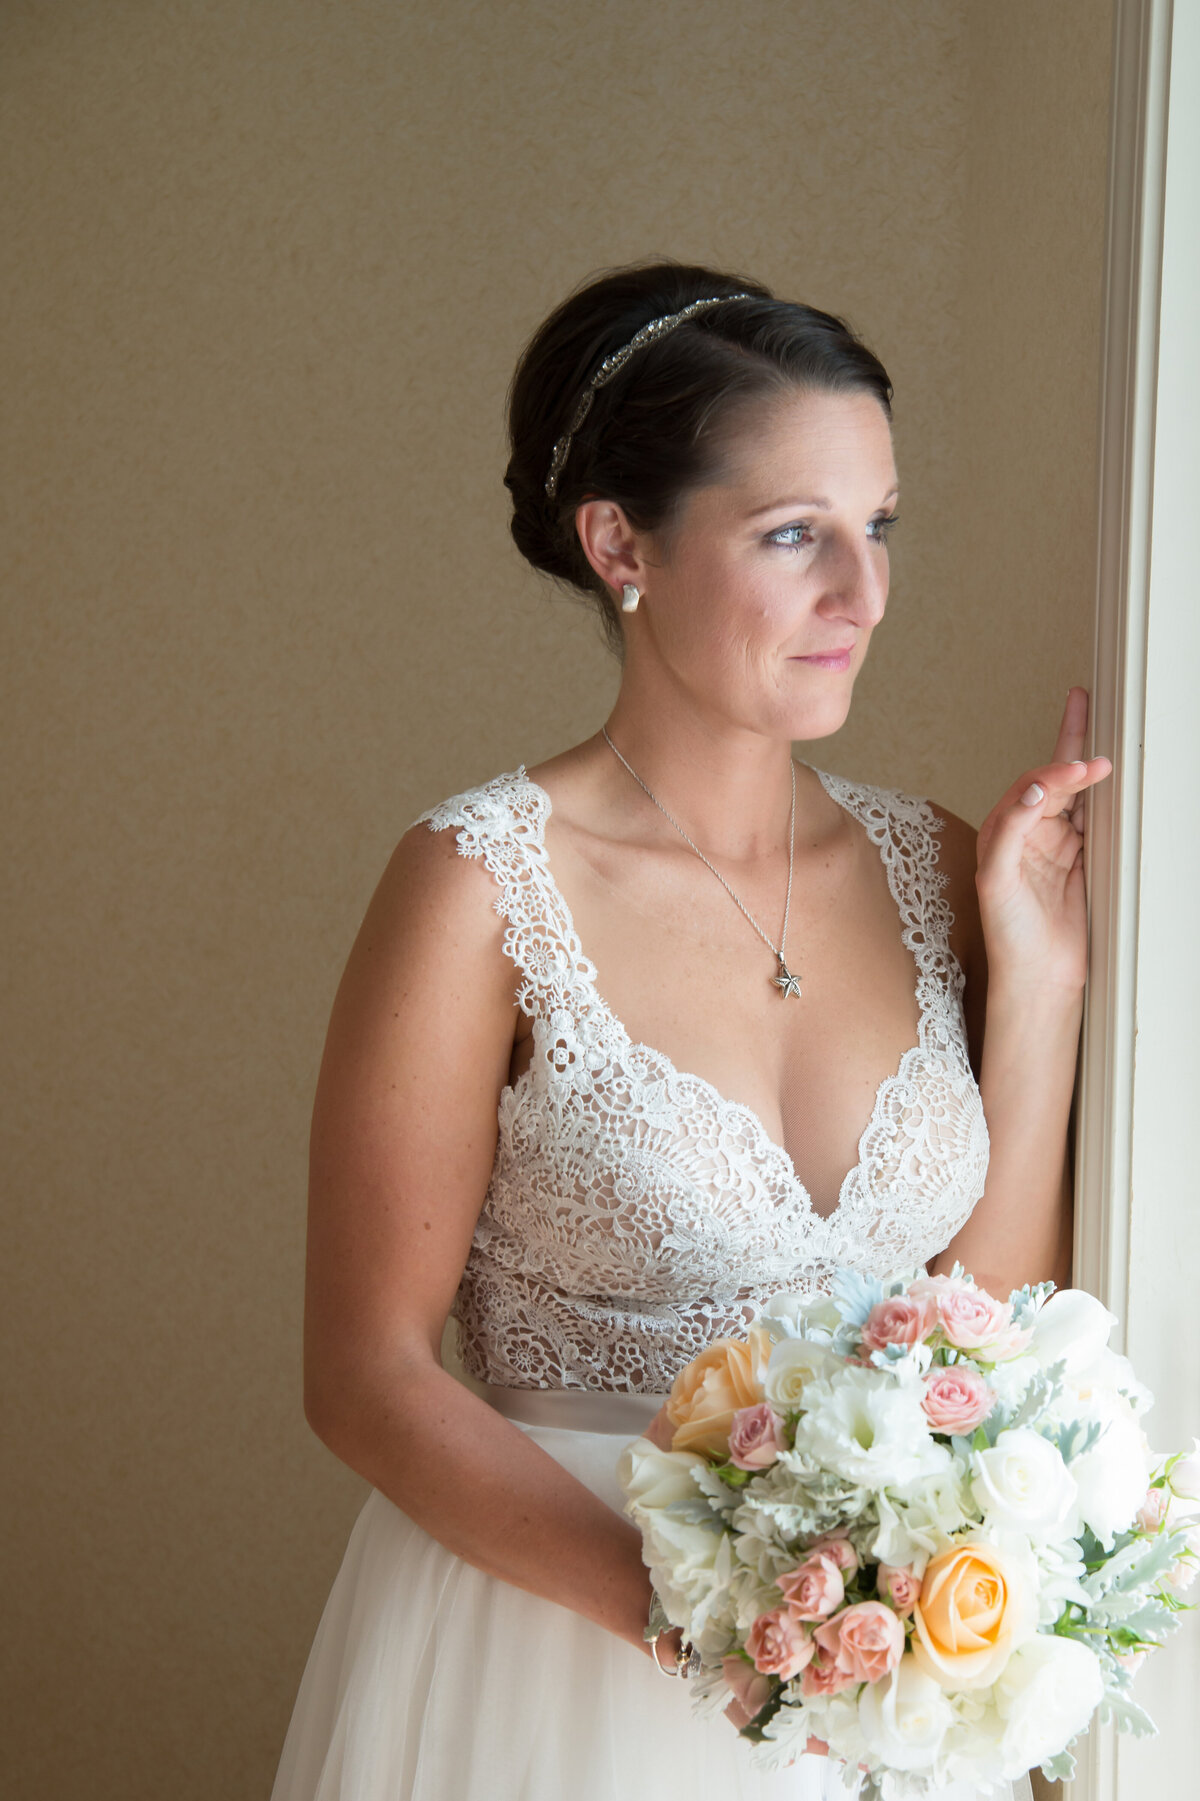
x=687 y=1658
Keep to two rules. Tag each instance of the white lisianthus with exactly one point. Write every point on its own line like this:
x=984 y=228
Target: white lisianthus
x=869 y=1428
x=794 y=1364
x=654 y=1478
x=1046 y=1694
x=1113 y=1476
x=905 y=1717
x=1021 y=1483
x=1072 y=1327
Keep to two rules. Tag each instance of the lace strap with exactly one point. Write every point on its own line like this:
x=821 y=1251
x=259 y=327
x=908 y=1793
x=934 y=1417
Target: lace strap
x=504 y=822
x=904 y=830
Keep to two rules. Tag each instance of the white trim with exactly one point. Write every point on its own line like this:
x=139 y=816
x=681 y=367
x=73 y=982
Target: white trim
x=1137 y=1221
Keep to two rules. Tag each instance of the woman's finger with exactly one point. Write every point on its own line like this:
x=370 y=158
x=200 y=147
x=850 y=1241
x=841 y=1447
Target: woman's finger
x=1072 y=733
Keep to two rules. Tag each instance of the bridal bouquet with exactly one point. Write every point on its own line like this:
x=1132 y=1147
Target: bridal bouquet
x=920 y=1525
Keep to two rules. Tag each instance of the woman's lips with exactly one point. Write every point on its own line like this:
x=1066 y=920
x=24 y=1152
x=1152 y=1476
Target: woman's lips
x=829 y=659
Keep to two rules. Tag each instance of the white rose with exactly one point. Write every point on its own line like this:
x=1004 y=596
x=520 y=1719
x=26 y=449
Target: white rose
x=905 y=1717
x=654 y=1478
x=794 y=1364
x=867 y=1427
x=1113 y=1476
x=1184 y=1479
x=1071 y=1327
x=1022 y=1483
x=1046 y=1694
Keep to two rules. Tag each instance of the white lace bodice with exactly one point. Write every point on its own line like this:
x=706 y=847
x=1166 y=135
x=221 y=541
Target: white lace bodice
x=633 y=1213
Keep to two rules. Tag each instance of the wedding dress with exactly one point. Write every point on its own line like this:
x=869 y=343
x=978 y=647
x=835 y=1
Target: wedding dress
x=633 y=1215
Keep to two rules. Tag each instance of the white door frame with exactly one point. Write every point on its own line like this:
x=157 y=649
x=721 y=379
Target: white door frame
x=1137 y=1229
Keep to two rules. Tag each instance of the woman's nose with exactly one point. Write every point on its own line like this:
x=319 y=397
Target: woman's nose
x=857 y=585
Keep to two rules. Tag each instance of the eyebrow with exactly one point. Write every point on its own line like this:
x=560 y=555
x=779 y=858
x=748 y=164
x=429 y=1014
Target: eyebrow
x=815 y=502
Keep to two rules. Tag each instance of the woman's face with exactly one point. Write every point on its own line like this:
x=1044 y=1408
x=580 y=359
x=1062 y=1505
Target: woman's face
x=761 y=604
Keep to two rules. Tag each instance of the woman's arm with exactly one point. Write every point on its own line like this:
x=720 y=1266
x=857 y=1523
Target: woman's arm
x=1023 y=945
x=403 y=1137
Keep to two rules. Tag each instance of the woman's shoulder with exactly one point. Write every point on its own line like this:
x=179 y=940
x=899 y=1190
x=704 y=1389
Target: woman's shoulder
x=511 y=795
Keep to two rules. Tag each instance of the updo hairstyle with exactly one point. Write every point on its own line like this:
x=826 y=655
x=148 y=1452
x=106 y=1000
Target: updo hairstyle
x=662 y=425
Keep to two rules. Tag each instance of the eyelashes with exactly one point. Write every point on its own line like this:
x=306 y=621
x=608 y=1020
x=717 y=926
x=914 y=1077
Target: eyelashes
x=879 y=530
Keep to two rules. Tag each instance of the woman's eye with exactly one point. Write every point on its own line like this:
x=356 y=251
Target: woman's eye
x=786 y=537
x=881 y=528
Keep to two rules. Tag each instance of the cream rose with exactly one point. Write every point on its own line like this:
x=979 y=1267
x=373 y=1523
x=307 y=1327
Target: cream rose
x=976 y=1606
x=905 y=1717
x=654 y=1478
x=793 y=1365
x=707 y=1393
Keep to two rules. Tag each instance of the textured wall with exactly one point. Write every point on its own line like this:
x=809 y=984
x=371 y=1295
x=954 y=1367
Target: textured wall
x=268 y=271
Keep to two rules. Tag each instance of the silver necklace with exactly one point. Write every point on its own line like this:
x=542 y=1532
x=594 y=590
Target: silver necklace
x=785 y=981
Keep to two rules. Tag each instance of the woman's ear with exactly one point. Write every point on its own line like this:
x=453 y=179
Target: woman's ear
x=615 y=550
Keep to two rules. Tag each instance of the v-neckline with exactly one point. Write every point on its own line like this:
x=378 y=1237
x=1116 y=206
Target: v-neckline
x=773 y=1151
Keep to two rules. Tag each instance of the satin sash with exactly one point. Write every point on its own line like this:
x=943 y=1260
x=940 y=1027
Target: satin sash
x=575 y=1409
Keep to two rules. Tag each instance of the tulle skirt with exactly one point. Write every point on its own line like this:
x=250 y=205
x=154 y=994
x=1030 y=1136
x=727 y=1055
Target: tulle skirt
x=431 y=1681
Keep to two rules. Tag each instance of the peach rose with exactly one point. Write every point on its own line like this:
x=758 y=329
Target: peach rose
x=902 y=1320
x=709 y=1390
x=899 y=1584
x=956 y=1399
x=973 y=1611
x=778 y=1644
x=866 y=1640
x=814 y=1588
x=1153 y=1510
x=756 y=1437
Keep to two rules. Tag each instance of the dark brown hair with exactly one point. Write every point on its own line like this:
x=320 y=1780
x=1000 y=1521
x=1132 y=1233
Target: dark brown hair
x=660 y=428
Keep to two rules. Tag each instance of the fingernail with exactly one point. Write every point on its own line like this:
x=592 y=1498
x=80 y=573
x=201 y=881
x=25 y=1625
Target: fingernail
x=1078 y=763
x=1033 y=794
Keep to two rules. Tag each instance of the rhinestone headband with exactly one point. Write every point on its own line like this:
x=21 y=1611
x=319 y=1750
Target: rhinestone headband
x=657 y=328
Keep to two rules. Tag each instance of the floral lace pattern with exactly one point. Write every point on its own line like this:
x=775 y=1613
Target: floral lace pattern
x=634 y=1214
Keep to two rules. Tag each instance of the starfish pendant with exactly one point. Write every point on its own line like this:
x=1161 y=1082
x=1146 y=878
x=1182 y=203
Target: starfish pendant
x=786 y=982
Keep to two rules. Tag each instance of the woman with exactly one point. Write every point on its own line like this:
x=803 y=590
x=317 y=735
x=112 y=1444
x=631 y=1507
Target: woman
x=613 y=1033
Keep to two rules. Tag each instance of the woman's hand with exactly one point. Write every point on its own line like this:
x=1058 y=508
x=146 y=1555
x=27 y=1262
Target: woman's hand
x=1030 y=867
x=660 y=1431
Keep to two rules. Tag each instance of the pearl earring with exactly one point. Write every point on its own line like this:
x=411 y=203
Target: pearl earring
x=629 y=598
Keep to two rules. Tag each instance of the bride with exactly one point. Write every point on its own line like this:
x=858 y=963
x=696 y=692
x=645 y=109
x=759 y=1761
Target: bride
x=637 y=1037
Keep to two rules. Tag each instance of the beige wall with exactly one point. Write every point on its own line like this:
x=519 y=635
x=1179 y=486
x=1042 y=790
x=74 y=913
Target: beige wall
x=270 y=269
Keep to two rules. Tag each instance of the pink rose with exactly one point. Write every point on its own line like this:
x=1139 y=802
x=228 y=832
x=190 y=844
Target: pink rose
x=902 y=1320
x=835 y=1545
x=814 y=1588
x=865 y=1641
x=899 y=1584
x=971 y=1319
x=956 y=1399
x=1153 y=1510
x=756 y=1437
x=778 y=1644
x=751 y=1689
x=823 y=1677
